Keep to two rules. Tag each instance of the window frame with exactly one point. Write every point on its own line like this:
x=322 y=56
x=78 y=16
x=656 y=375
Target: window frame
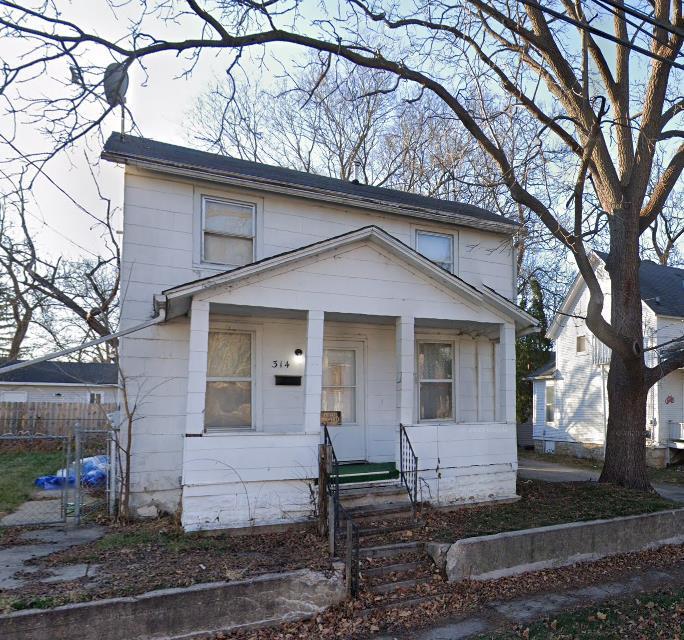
x=582 y=337
x=252 y=380
x=454 y=371
x=549 y=384
x=204 y=198
x=95 y=397
x=440 y=234
x=358 y=390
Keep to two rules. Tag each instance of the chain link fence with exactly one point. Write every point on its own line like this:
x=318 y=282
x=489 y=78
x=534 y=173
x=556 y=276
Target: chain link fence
x=58 y=479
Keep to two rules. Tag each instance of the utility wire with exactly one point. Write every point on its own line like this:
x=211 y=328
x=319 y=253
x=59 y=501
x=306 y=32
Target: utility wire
x=656 y=22
x=598 y=32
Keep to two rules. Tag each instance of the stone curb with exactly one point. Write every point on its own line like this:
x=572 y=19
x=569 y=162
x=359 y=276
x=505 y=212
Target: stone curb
x=514 y=552
x=188 y=612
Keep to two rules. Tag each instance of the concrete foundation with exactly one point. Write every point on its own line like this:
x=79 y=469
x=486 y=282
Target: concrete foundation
x=515 y=552
x=656 y=457
x=197 y=611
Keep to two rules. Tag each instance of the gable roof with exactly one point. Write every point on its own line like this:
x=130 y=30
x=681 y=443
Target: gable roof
x=56 y=372
x=661 y=287
x=161 y=156
x=183 y=293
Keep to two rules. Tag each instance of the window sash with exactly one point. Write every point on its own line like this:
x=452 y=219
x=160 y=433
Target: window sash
x=235 y=379
x=216 y=233
x=436 y=382
x=549 y=403
x=448 y=264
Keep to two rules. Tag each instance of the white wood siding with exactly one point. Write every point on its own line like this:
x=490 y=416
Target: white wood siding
x=57 y=393
x=160 y=250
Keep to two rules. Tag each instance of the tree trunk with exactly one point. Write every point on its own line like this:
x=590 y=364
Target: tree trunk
x=625 y=460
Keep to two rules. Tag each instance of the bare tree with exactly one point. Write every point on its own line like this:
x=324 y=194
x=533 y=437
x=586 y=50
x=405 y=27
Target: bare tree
x=605 y=115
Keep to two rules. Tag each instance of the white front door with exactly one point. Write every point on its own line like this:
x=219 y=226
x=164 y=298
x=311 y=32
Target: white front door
x=343 y=391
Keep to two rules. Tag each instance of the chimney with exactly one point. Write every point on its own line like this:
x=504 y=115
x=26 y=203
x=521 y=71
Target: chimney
x=357 y=172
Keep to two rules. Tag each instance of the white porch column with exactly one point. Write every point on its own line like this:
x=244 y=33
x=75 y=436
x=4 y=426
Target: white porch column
x=197 y=366
x=313 y=371
x=406 y=358
x=506 y=373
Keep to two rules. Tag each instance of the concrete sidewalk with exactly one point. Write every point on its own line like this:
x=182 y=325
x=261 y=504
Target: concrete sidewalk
x=555 y=472
x=525 y=610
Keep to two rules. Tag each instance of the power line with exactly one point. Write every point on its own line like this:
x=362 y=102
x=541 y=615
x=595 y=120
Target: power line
x=598 y=32
x=652 y=20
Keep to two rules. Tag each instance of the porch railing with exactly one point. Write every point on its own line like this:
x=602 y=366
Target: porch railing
x=408 y=467
x=339 y=535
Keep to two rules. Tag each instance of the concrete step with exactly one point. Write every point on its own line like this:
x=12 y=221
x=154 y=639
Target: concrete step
x=390 y=587
x=387 y=511
x=372 y=493
x=399 y=603
x=385 y=529
x=387 y=569
x=390 y=550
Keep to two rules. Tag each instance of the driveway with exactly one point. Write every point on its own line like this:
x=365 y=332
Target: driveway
x=555 y=472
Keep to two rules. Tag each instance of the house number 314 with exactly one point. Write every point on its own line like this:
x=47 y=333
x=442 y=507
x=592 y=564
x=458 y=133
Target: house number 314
x=280 y=364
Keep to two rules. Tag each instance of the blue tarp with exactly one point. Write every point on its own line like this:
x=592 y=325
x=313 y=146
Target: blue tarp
x=93 y=474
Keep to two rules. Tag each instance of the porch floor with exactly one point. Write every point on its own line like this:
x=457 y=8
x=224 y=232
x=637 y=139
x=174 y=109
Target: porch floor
x=367 y=472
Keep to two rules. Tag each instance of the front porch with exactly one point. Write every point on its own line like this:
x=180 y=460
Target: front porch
x=365 y=336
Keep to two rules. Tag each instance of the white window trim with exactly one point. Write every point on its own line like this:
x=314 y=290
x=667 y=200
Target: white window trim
x=252 y=380
x=210 y=191
x=454 y=379
x=209 y=198
x=546 y=404
x=443 y=234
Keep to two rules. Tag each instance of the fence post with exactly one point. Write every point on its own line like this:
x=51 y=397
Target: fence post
x=111 y=473
x=77 y=474
x=350 y=557
x=323 y=475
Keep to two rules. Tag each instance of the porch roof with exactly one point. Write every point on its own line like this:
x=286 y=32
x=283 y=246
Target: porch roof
x=176 y=300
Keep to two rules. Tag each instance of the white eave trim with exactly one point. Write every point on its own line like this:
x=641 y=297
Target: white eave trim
x=263 y=184
x=375 y=234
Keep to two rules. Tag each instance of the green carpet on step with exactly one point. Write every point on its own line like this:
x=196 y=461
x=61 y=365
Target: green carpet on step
x=367 y=472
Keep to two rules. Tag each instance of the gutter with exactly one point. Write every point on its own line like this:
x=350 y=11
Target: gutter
x=159 y=318
x=508 y=228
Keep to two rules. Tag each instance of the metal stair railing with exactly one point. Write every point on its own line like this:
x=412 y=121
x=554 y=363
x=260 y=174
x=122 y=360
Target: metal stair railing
x=408 y=467
x=337 y=513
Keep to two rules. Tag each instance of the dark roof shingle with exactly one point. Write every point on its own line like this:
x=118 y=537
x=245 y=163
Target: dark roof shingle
x=134 y=148
x=662 y=288
x=545 y=370
x=55 y=372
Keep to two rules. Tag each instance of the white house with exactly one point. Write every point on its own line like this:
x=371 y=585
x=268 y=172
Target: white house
x=570 y=404
x=60 y=382
x=281 y=294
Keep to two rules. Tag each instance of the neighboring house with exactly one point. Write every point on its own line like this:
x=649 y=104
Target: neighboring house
x=60 y=382
x=570 y=404
x=281 y=295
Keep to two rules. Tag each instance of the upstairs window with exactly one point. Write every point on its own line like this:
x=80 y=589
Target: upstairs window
x=550 y=402
x=227 y=232
x=438 y=247
x=581 y=345
x=95 y=398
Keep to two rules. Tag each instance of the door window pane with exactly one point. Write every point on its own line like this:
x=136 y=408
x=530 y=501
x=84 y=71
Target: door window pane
x=339 y=383
x=228 y=405
x=436 y=401
x=437 y=247
x=343 y=400
x=435 y=361
x=230 y=355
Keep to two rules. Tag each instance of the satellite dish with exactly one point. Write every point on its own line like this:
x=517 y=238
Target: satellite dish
x=115 y=83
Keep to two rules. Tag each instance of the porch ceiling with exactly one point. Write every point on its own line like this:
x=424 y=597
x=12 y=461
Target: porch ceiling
x=255 y=311
x=485 y=329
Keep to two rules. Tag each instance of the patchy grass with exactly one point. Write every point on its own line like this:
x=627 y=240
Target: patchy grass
x=659 y=615
x=19 y=472
x=542 y=504
x=153 y=555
